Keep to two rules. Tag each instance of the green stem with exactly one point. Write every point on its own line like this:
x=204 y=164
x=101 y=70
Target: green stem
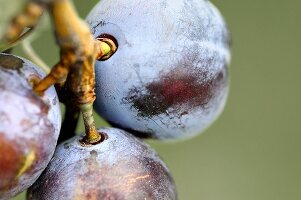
x=92 y=136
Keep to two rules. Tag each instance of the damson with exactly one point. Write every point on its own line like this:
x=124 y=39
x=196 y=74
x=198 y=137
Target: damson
x=120 y=167
x=29 y=125
x=169 y=76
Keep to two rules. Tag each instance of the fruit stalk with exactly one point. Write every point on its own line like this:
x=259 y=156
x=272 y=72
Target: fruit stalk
x=92 y=136
x=75 y=70
x=78 y=54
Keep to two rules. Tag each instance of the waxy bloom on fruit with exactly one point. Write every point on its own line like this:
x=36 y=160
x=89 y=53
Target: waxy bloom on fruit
x=169 y=76
x=29 y=125
x=120 y=167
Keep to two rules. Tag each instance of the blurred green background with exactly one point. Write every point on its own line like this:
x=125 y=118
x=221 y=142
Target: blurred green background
x=253 y=150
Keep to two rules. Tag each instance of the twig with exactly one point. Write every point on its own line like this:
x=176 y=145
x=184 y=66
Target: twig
x=75 y=70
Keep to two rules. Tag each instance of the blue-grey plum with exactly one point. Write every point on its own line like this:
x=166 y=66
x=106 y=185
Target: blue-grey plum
x=29 y=125
x=120 y=167
x=169 y=76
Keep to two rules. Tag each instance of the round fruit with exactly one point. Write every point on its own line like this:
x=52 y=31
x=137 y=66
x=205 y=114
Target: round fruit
x=29 y=125
x=169 y=76
x=121 y=167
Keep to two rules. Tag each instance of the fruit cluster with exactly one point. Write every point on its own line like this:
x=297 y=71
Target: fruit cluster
x=167 y=80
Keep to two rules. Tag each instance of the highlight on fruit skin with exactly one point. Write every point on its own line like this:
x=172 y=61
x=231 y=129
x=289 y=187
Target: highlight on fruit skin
x=120 y=167
x=169 y=77
x=29 y=125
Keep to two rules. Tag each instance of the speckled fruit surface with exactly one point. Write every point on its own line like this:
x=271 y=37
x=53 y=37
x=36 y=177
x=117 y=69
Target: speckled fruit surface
x=29 y=126
x=169 y=76
x=122 y=167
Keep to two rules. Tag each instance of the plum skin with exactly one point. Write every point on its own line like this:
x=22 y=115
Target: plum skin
x=121 y=167
x=169 y=77
x=29 y=125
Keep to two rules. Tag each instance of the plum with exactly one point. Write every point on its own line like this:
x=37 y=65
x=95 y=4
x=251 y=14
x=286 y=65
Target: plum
x=121 y=167
x=169 y=77
x=29 y=125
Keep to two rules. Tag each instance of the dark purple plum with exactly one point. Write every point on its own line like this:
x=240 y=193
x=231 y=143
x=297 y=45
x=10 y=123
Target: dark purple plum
x=169 y=76
x=121 y=167
x=29 y=125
